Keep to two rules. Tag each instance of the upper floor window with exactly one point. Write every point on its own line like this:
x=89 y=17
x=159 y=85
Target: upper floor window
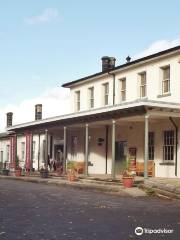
x=91 y=97
x=165 y=79
x=123 y=89
x=143 y=90
x=106 y=93
x=23 y=150
x=77 y=100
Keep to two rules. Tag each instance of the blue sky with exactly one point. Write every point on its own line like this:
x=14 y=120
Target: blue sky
x=45 y=43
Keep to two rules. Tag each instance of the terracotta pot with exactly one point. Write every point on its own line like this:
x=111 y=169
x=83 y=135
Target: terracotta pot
x=128 y=182
x=71 y=177
x=18 y=172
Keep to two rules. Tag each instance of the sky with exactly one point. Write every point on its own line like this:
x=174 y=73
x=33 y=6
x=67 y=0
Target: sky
x=46 y=43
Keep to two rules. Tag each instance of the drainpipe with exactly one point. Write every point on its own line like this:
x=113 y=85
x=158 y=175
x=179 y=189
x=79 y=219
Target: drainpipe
x=176 y=128
x=112 y=74
x=39 y=142
x=107 y=135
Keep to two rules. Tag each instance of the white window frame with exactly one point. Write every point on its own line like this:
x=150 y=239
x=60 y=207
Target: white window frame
x=91 y=97
x=78 y=100
x=106 y=93
x=122 y=90
x=164 y=80
x=142 y=85
x=168 y=145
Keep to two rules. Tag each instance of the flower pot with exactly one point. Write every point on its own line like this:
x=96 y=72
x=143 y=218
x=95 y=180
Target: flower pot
x=128 y=182
x=71 y=177
x=59 y=170
x=44 y=173
x=5 y=172
x=18 y=172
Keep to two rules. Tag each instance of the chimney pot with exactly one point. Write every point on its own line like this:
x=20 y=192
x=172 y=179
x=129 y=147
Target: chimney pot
x=9 y=119
x=38 y=111
x=128 y=59
x=108 y=63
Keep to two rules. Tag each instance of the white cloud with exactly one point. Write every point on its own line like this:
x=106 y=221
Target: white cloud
x=55 y=101
x=157 y=47
x=46 y=16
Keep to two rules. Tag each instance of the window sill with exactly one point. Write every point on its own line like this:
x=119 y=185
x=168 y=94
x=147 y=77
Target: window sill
x=164 y=95
x=167 y=164
x=143 y=98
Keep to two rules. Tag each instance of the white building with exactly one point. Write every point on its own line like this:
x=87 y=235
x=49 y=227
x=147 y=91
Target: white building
x=131 y=109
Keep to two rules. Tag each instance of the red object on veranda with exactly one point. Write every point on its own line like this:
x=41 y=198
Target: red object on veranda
x=18 y=172
x=128 y=182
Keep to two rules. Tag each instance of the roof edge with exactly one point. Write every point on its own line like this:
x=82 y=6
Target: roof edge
x=154 y=55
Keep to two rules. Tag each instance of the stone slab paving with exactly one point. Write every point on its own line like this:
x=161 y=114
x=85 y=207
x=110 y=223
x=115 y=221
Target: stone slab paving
x=166 y=185
x=92 y=185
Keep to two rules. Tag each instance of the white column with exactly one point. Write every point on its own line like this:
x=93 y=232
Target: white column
x=86 y=149
x=146 y=147
x=65 y=150
x=113 y=148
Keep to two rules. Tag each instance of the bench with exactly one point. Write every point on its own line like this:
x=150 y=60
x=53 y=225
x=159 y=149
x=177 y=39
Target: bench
x=140 y=168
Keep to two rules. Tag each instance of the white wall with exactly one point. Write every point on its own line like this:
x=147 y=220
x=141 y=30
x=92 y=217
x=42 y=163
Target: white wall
x=154 y=77
x=3 y=147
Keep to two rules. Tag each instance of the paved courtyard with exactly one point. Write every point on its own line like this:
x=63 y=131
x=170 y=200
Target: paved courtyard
x=37 y=211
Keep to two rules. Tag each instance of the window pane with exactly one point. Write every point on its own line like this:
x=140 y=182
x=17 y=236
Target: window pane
x=165 y=86
x=143 y=78
x=166 y=73
x=168 y=148
x=106 y=99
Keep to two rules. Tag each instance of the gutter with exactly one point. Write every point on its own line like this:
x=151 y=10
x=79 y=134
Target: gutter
x=176 y=147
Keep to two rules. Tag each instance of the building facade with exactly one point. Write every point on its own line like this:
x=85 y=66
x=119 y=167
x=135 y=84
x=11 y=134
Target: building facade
x=128 y=111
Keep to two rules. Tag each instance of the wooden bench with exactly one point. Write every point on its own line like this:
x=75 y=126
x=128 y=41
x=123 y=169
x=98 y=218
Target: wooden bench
x=140 y=168
x=79 y=167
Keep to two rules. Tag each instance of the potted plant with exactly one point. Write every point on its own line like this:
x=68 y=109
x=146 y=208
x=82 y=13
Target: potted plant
x=5 y=171
x=44 y=172
x=71 y=173
x=127 y=179
x=18 y=169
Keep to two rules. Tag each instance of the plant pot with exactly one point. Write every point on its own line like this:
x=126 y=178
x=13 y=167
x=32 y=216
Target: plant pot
x=59 y=170
x=5 y=172
x=18 y=172
x=71 y=177
x=44 y=173
x=128 y=182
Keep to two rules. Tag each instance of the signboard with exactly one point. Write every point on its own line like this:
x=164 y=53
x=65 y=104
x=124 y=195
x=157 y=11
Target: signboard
x=28 y=150
x=12 y=151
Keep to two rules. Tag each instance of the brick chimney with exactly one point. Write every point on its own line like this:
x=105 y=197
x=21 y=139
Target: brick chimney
x=9 y=119
x=108 y=63
x=38 y=111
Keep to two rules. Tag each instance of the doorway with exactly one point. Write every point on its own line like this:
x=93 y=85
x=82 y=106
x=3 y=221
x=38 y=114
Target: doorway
x=120 y=156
